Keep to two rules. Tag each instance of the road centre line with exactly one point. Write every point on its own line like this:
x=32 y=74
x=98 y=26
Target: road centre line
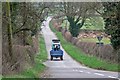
x=99 y=74
x=80 y=71
x=112 y=77
x=88 y=72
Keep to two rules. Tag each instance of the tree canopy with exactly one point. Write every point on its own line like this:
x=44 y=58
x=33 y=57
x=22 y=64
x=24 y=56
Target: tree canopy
x=112 y=22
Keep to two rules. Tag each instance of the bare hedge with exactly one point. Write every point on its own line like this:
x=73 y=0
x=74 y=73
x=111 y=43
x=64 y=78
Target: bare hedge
x=22 y=58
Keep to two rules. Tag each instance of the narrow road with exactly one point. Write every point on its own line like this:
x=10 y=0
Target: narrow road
x=68 y=68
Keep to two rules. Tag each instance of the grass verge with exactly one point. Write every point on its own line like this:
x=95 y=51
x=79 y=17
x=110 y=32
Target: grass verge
x=37 y=69
x=81 y=57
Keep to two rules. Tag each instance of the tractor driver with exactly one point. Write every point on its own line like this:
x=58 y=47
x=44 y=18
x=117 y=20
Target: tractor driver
x=57 y=47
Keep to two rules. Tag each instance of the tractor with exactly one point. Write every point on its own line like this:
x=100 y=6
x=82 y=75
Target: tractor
x=56 y=51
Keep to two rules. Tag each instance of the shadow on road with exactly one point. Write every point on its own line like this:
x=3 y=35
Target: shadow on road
x=56 y=59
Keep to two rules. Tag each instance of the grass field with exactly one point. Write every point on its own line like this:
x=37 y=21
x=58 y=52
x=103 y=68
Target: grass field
x=0 y=77
x=37 y=69
x=81 y=57
x=93 y=23
x=104 y=40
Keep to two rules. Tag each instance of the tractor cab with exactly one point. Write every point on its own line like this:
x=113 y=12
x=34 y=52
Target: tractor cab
x=55 y=44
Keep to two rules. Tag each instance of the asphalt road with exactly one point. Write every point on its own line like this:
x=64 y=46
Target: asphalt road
x=68 y=68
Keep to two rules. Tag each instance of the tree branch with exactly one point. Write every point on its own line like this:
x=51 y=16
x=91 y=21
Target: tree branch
x=24 y=29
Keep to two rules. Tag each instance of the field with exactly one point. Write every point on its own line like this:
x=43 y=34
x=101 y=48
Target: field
x=104 y=40
x=92 y=23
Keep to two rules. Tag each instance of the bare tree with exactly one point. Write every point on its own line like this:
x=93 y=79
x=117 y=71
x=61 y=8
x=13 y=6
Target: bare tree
x=76 y=14
x=21 y=21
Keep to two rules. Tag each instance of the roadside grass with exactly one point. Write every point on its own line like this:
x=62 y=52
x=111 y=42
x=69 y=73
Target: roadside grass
x=104 y=40
x=81 y=57
x=0 y=77
x=37 y=69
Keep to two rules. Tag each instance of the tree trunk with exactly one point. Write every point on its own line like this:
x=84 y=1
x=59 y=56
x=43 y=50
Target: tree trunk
x=75 y=26
x=9 y=29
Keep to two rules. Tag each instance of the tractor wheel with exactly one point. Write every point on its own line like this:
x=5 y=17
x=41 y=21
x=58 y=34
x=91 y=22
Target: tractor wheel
x=51 y=58
x=61 y=58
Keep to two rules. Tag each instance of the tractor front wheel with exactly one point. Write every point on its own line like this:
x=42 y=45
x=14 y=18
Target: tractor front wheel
x=61 y=57
x=51 y=58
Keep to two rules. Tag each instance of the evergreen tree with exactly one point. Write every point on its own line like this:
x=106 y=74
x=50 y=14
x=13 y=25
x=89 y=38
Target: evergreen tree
x=112 y=22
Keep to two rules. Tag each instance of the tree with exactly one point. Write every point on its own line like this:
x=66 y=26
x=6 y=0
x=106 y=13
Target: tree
x=112 y=22
x=76 y=13
x=9 y=29
x=21 y=21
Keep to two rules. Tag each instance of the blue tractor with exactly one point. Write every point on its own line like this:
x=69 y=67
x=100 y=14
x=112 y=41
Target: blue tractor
x=56 y=51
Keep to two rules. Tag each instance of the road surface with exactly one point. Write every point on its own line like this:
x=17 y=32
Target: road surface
x=68 y=68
